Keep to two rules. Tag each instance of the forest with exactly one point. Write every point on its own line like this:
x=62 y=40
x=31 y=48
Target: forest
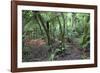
x=55 y=36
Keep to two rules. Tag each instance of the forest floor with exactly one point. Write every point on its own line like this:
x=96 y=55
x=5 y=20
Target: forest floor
x=43 y=53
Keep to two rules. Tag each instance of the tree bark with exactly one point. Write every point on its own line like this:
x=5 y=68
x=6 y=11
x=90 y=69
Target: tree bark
x=45 y=26
x=63 y=33
x=39 y=23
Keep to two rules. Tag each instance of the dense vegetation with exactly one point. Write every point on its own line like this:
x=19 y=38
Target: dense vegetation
x=48 y=36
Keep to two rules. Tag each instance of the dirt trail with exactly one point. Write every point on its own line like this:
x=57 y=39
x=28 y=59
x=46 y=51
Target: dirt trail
x=71 y=52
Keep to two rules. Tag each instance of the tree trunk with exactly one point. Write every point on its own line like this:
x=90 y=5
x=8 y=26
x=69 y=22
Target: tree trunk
x=63 y=33
x=60 y=28
x=48 y=35
x=45 y=26
x=39 y=23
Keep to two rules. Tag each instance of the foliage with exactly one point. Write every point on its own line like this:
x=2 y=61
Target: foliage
x=57 y=29
x=85 y=38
